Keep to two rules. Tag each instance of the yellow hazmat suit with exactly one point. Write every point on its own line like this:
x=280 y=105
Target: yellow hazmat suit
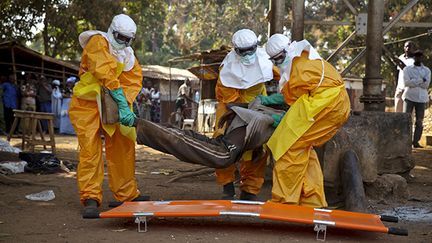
x=252 y=173
x=100 y=68
x=315 y=115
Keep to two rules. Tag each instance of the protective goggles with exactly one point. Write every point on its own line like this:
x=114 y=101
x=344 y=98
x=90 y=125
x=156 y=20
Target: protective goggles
x=123 y=39
x=246 y=51
x=278 y=58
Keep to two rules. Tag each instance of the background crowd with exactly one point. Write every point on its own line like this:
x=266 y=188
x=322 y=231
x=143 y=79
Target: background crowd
x=32 y=92
x=147 y=104
x=36 y=93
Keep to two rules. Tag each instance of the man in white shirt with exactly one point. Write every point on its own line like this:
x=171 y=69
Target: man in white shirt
x=417 y=78
x=183 y=95
x=184 y=89
x=405 y=59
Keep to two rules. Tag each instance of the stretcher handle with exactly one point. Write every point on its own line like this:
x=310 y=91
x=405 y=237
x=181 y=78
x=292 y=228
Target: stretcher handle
x=388 y=218
x=397 y=231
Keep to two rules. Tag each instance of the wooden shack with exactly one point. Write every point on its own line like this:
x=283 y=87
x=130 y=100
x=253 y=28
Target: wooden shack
x=18 y=59
x=208 y=72
x=208 y=69
x=168 y=80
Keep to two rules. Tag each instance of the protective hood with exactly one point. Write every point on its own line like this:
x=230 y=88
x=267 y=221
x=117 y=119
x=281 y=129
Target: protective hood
x=276 y=44
x=295 y=49
x=234 y=74
x=125 y=56
x=244 y=38
x=124 y=25
x=121 y=25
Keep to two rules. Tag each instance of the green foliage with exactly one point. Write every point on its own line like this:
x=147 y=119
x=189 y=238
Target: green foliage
x=149 y=16
x=61 y=22
x=166 y=28
x=18 y=18
x=65 y=20
x=195 y=25
x=172 y=28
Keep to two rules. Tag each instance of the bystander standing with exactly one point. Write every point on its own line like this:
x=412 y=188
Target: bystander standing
x=10 y=100
x=43 y=96
x=65 y=123
x=28 y=94
x=417 y=78
x=155 y=108
x=56 y=99
x=405 y=59
x=144 y=102
x=2 y=119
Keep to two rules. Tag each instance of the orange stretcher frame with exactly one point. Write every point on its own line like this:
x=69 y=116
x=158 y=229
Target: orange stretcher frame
x=321 y=218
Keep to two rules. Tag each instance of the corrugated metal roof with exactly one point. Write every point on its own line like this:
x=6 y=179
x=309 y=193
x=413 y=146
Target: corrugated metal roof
x=162 y=72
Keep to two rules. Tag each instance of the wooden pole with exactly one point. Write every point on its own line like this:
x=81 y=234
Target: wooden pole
x=297 y=27
x=13 y=62
x=42 y=68
x=63 y=82
x=169 y=102
x=276 y=16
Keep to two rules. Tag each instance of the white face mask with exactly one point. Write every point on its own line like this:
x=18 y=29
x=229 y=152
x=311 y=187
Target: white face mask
x=248 y=59
x=284 y=64
x=115 y=45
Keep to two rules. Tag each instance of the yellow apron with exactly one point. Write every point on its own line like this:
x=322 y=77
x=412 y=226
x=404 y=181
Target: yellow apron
x=299 y=118
x=89 y=88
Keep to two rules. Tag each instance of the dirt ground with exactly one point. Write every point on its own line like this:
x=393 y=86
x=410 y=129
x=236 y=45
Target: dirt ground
x=59 y=220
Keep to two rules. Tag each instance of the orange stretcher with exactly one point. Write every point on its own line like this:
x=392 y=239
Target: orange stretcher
x=321 y=218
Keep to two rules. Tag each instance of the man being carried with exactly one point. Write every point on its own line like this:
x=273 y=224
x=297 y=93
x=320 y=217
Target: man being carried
x=246 y=129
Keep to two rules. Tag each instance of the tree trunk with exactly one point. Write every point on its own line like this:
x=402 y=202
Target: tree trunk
x=45 y=33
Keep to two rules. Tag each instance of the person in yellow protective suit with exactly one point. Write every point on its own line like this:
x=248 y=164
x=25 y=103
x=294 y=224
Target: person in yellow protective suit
x=319 y=106
x=108 y=61
x=242 y=75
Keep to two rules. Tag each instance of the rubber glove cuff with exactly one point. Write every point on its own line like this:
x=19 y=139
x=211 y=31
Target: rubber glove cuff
x=118 y=96
x=274 y=99
x=277 y=119
x=127 y=117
